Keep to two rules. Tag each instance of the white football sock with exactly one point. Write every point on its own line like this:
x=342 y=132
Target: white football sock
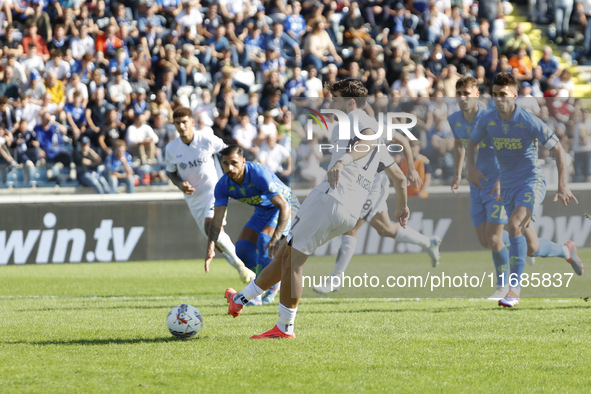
x=229 y=251
x=566 y=251
x=286 y=318
x=345 y=254
x=248 y=293
x=411 y=236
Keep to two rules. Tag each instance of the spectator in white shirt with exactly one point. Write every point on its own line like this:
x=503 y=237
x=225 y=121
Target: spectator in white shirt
x=141 y=140
x=82 y=44
x=245 y=135
x=276 y=157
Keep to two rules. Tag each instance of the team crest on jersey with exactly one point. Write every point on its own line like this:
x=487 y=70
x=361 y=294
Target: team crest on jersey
x=492 y=123
x=183 y=166
x=505 y=126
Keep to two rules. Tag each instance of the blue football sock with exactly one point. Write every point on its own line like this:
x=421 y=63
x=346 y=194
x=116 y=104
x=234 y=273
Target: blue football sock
x=263 y=258
x=247 y=252
x=549 y=249
x=518 y=253
x=506 y=238
x=501 y=260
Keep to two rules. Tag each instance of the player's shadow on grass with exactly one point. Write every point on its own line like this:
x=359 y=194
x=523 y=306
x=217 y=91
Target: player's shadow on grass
x=93 y=307
x=97 y=342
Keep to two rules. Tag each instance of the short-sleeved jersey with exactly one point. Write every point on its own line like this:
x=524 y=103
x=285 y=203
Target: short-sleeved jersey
x=194 y=162
x=486 y=162
x=515 y=143
x=356 y=179
x=259 y=186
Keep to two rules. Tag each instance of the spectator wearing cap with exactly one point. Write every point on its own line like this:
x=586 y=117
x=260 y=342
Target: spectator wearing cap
x=287 y=46
x=82 y=43
x=526 y=100
x=119 y=168
x=319 y=49
x=295 y=24
x=141 y=140
x=111 y=131
x=35 y=89
x=88 y=170
x=58 y=65
x=33 y=37
x=119 y=90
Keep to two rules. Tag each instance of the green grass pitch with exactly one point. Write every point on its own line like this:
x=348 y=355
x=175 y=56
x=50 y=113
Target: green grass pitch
x=102 y=328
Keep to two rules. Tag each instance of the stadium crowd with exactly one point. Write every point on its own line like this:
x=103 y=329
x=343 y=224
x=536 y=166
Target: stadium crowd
x=87 y=89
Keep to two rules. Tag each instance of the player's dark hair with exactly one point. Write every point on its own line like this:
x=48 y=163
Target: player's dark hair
x=181 y=112
x=505 y=79
x=231 y=149
x=467 y=82
x=350 y=88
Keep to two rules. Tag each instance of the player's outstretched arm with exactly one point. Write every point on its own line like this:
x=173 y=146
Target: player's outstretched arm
x=563 y=194
x=474 y=176
x=399 y=182
x=183 y=186
x=459 y=155
x=414 y=179
x=284 y=212
x=215 y=227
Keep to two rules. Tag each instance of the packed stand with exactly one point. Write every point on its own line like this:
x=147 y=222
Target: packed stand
x=88 y=89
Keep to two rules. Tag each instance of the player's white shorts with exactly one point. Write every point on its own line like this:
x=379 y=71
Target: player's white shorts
x=201 y=207
x=320 y=219
x=376 y=200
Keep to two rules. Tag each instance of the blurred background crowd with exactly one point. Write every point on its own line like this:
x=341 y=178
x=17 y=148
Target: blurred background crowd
x=87 y=89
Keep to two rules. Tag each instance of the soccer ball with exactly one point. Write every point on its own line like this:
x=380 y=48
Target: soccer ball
x=184 y=321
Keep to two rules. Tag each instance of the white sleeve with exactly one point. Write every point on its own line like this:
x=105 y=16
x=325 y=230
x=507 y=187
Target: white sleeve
x=153 y=134
x=217 y=143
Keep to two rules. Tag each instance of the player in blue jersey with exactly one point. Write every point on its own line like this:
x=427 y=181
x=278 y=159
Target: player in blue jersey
x=488 y=213
x=256 y=185
x=515 y=134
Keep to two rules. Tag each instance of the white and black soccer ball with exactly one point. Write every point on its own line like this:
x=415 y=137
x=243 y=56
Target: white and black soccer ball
x=184 y=321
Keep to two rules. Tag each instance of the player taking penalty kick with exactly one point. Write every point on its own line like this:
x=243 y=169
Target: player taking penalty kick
x=331 y=209
x=515 y=134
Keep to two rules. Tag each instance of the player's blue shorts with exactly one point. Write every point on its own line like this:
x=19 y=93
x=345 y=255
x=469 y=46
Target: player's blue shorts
x=263 y=217
x=485 y=208
x=530 y=195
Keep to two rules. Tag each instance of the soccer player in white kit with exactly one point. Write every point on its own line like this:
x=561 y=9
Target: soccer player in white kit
x=331 y=209
x=191 y=167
